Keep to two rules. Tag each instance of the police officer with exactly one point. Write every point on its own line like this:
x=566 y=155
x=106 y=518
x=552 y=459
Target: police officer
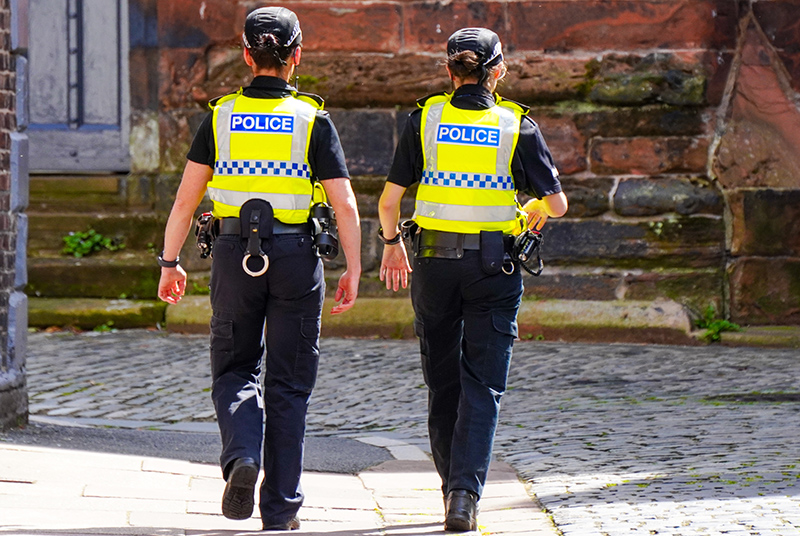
x=470 y=151
x=268 y=142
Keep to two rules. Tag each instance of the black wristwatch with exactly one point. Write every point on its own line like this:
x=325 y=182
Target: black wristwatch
x=389 y=241
x=168 y=264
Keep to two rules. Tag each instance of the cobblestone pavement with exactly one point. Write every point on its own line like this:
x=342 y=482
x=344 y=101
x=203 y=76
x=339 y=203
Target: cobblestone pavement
x=614 y=439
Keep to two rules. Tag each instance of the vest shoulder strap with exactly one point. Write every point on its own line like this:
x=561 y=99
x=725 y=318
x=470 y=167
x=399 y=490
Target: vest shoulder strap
x=314 y=100
x=224 y=98
x=512 y=105
x=434 y=98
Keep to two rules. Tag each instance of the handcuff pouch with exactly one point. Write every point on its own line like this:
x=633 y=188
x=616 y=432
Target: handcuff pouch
x=492 y=252
x=256 y=219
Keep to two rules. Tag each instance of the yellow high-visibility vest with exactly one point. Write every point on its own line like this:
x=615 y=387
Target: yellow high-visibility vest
x=262 y=153
x=466 y=184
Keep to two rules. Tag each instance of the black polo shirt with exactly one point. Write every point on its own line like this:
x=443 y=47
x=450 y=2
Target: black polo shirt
x=325 y=154
x=531 y=165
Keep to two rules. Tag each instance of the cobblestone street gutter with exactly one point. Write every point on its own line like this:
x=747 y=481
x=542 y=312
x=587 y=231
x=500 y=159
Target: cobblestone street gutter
x=613 y=439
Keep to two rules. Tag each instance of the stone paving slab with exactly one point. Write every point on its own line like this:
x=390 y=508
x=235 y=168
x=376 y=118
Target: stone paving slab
x=173 y=497
x=611 y=439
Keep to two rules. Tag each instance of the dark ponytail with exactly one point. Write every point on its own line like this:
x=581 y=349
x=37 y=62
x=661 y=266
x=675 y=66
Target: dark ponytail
x=268 y=53
x=466 y=64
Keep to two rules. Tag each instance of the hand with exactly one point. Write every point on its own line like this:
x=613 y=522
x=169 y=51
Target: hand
x=172 y=284
x=395 y=266
x=347 y=292
x=537 y=215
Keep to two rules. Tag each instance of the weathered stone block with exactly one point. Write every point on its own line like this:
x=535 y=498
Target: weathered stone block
x=651 y=120
x=649 y=156
x=17 y=349
x=765 y=291
x=778 y=20
x=659 y=195
x=357 y=26
x=558 y=283
x=535 y=77
x=176 y=138
x=695 y=289
x=181 y=71
x=13 y=401
x=565 y=142
x=21 y=255
x=695 y=242
x=765 y=222
x=21 y=97
x=143 y=17
x=144 y=80
x=185 y=23
x=602 y=25
x=20 y=177
x=587 y=197
x=426 y=26
x=144 y=142
x=367 y=139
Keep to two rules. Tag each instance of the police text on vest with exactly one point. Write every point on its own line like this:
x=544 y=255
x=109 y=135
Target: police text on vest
x=468 y=135
x=264 y=123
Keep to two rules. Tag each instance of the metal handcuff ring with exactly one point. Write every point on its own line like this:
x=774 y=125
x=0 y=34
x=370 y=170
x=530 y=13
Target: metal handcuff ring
x=250 y=272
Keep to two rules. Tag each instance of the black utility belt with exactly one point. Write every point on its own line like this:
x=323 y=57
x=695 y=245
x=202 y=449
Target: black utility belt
x=233 y=226
x=495 y=248
x=443 y=244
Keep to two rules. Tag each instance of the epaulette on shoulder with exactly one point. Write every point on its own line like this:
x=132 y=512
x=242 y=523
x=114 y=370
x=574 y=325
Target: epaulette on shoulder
x=312 y=99
x=424 y=100
x=223 y=98
x=501 y=101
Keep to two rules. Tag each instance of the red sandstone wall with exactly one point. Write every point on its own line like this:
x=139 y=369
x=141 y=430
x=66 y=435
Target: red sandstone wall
x=674 y=123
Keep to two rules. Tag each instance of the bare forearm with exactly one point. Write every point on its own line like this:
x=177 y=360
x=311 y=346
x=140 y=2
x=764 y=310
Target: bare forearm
x=343 y=201
x=349 y=226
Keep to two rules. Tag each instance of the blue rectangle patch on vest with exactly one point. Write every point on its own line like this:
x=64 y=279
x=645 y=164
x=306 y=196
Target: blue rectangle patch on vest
x=468 y=135
x=263 y=123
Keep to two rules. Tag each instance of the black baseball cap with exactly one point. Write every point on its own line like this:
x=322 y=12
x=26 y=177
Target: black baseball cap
x=482 y=41
x=277 y=21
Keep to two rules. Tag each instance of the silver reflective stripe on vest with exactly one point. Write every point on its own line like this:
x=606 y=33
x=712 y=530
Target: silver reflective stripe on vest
x=278 y=201
x=223 y=126
x=508 y=128
x=442 y=211
x=432 y=121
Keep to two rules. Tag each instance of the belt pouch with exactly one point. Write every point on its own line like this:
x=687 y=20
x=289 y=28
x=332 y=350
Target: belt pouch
x=492 y=252
x=256 y=220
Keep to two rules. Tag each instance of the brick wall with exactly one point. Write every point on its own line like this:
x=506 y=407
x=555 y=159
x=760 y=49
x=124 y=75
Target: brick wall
x=645 y=105
x=13 y=199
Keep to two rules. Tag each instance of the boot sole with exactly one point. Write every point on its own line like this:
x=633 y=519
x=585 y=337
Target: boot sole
x=238 y=502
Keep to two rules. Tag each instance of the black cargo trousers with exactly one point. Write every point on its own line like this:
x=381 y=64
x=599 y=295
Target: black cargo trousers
x=287 y=300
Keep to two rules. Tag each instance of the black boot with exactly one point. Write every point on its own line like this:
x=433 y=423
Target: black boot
x=461 y=510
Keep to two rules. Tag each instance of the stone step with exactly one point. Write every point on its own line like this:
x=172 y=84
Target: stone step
x=653 y=322
x=82 y=193
x=567 y=320
x=121 y=274
x=138 y=230
x=99 y=314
